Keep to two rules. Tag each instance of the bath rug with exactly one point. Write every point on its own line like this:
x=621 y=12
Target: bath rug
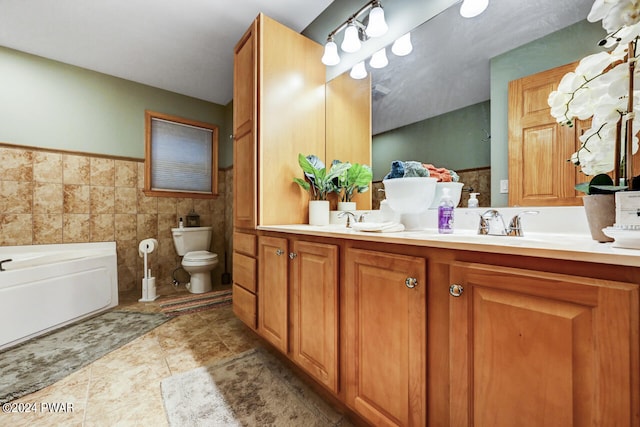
x=251 y=389
x=192 y=303
x=41 y=361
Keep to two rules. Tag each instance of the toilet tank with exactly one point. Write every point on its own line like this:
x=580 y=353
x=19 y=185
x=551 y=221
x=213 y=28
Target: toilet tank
x=190 y=239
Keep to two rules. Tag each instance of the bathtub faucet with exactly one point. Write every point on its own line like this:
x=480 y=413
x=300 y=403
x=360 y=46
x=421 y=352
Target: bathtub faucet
x=2 y=262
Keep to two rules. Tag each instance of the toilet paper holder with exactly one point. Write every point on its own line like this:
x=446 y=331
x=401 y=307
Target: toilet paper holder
x=145 y=247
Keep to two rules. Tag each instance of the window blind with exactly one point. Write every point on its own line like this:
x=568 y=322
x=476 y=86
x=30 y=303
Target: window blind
x=181 y=157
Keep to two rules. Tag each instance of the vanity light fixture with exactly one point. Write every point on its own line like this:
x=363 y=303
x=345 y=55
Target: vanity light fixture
x=472 y=8
x=379 y=59
x=355 y=32
x=402 y=46
x=359 y=71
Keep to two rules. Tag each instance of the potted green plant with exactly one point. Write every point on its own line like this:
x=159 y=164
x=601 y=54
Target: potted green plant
x=319 y=182
x=354 y=180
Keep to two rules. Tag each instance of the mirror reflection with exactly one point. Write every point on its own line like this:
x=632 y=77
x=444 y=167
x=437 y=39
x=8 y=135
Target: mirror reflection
x=446 y=102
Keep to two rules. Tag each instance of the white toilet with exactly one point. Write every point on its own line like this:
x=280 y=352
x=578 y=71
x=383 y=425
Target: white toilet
x=192 y=244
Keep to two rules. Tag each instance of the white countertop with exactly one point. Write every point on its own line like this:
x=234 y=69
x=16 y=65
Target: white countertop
x=574 y=243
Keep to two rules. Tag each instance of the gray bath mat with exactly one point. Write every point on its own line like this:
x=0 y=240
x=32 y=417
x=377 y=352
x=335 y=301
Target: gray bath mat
x=251 y=389
x=41 y=361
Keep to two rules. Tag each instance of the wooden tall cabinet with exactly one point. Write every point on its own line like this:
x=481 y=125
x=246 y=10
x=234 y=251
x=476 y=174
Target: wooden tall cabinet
x=540 y=349
x=384 y=327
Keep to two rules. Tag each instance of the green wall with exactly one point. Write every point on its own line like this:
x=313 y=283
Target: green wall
x=455 y=140
x=44 y=103
x=559 y=48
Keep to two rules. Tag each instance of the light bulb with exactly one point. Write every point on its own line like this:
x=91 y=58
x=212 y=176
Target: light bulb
x=402 y=46
x=377 y=25
x=330 y=56
x=472 y=8
x=358 y=71
x=379 y=59
x=351 y=42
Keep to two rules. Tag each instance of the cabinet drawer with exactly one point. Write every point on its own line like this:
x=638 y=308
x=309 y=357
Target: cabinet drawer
x=244 y=271
x=245 y=243
x=244 y=306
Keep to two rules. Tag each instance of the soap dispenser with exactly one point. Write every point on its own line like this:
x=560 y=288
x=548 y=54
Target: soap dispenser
x=473 y=201
x=445 y=213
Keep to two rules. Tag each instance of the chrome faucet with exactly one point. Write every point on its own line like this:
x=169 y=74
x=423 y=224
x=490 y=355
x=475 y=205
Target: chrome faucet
x=349 y=216
x=492 y=224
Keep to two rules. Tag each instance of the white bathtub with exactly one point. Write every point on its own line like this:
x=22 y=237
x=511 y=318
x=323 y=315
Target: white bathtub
x=48 y=286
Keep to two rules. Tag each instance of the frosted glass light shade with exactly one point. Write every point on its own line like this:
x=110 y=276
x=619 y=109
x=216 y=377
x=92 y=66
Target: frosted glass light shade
x=358 y=71
x=330 y=56
x=377 y=25
x=379 y=59
x=472 y=8
x=402 y=46
x=351 y=42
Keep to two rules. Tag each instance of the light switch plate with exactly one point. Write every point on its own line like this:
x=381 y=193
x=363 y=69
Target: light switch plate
x=504 y=186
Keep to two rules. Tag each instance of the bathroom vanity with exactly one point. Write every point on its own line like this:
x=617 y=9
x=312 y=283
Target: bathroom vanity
x=417 y=328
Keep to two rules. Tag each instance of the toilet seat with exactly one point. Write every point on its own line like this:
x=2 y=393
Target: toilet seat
x=200 y=256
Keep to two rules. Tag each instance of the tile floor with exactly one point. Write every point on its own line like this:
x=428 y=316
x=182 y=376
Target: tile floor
x=123 y=387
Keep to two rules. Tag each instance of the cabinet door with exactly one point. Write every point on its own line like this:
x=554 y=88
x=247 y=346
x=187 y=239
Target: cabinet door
x=272 y=291
x=244 y=130
x=384 y=337
x=538 y=349
x=314 y=310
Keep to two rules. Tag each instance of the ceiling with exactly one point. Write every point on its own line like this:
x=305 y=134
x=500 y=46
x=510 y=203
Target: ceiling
x=449 y=66
x=183 y=47
x=188 y=49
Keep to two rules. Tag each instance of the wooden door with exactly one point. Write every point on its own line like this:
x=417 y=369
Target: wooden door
x=314 y=310
x=244 y=130
x=540 y=349
x=273 y=313
x=539 y=173
x=384 y=337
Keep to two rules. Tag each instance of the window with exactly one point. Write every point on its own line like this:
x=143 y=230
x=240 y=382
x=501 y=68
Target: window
x=181 y=157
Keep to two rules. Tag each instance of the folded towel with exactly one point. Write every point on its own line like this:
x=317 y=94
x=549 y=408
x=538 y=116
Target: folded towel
x=442 y=174
x=413 y=169
x=397 y=170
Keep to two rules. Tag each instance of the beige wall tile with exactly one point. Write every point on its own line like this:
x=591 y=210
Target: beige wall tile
x=102 y=228
x=147 y=205
x=17 y=164
x=183 y=207
x=76 y=199
x=126 y=200
x=147 y=226
x=16 y=197
x=47 y=197
x=125 y=227
x=16 y=229
x=126 y=173
x=76 y=169
x=102 y=172
x=47 y=167
x=47 y=229
x=140 y=180
x=167 y=205
x=165 y=223
x=76 y=228
x=102 y=200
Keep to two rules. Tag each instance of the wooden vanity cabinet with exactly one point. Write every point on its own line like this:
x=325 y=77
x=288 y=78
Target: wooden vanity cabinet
x=245 y=277
x=298 y=314
x=541 y=349
x=384 y=334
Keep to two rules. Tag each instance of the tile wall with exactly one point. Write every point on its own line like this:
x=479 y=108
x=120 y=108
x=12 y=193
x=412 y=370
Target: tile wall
x=51 y=197
x=479 y=179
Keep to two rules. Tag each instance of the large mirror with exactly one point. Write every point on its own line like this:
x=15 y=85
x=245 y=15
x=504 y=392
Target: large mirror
x=446 y=102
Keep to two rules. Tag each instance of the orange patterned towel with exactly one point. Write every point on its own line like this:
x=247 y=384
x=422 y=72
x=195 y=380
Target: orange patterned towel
x=442 y=174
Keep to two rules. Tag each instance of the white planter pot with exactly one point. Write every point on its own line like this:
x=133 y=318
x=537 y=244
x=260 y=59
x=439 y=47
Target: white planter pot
x=319 y=212
x=347 y=206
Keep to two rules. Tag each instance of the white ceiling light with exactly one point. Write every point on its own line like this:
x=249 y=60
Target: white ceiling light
x=330 y=56
x=402 y=46
x=351 y=42
x=472 y=8
x=358 y=71
x=379 y=59
x=377 y=25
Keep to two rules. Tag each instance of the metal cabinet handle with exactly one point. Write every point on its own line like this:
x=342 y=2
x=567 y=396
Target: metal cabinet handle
x=456 y=290
x=411 y=282
x=279 y=252
x=292 y=255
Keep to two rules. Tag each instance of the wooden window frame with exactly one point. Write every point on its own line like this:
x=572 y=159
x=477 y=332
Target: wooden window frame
x=149 y=116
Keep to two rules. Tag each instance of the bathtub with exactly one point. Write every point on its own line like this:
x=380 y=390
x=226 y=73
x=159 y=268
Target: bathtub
x=47 y=286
